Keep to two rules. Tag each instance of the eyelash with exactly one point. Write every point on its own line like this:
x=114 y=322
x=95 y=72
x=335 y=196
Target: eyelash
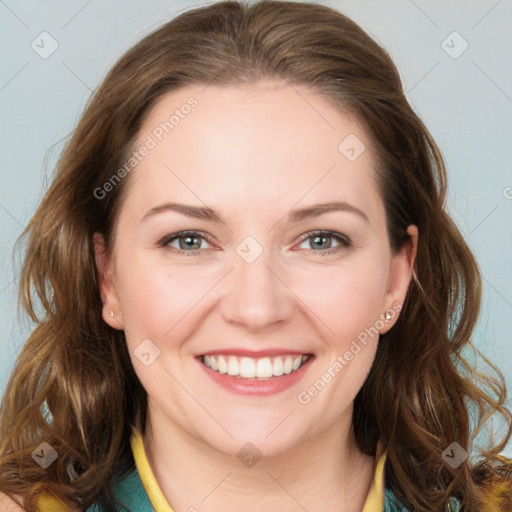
x=344 y=241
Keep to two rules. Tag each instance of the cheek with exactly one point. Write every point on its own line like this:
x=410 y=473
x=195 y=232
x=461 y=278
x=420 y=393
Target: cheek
x=346 y=301
x=163 y=303
x=342 y=300
x=154 y=301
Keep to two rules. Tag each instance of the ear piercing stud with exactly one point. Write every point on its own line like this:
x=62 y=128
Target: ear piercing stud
x=387 y=316
x=112 y=314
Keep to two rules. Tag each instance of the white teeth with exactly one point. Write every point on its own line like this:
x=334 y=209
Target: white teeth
x=277 y=367
x=233 y=366
x=264 y=368
x=248 y=368
x=223 y=366
x=288 y=365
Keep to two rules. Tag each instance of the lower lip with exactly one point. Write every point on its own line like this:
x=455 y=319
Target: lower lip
x=257 y=387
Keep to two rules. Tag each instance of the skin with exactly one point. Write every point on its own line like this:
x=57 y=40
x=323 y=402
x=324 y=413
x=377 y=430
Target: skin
x=7 y=504
x=253 y=153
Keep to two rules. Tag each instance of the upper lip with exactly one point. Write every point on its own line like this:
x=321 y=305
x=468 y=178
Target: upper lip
x=256 y=354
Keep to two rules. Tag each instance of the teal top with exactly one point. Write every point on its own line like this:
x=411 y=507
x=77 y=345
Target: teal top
x=132 y=493
x=139 y=491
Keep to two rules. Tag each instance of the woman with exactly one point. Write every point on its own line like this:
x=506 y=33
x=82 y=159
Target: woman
x=198 y=349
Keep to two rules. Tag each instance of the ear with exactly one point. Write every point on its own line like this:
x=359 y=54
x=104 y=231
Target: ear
x=108 y=291
x=402 y=266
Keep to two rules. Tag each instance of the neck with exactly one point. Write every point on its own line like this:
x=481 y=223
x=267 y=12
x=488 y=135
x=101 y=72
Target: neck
x=325 y=473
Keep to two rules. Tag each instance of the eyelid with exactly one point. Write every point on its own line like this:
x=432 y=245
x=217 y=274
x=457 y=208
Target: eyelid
x=344 y=240
x=167 y=239
x=320 y=232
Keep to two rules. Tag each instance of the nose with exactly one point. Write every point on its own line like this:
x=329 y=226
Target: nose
x=257 y=297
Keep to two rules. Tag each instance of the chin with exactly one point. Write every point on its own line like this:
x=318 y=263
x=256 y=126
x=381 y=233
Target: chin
x=266 y=438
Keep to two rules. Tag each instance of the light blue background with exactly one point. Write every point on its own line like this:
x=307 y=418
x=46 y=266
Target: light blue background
x=466 y=102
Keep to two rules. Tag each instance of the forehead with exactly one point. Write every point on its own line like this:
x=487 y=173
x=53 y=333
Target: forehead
x=266 y=143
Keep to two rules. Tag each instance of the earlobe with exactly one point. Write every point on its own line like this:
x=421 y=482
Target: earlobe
x=106 y=282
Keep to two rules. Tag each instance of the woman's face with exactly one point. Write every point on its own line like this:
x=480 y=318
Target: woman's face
x=255 y=289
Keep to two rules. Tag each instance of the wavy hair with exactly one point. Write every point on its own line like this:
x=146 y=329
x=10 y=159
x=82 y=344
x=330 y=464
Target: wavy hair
x=74 y=386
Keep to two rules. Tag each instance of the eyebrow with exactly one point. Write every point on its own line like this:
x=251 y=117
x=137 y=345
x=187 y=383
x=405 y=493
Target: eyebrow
x=205 y=213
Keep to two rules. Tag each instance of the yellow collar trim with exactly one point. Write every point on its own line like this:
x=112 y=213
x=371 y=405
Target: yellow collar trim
x=147 y=477
x=374 y=501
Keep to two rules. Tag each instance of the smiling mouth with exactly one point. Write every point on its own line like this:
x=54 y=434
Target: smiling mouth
x=263 y=368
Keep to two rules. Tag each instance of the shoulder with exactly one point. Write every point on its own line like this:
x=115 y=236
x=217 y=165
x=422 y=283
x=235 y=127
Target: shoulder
x=7 y=504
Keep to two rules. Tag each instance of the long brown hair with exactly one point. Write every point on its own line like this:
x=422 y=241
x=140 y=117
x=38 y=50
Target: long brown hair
x=73 y=385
